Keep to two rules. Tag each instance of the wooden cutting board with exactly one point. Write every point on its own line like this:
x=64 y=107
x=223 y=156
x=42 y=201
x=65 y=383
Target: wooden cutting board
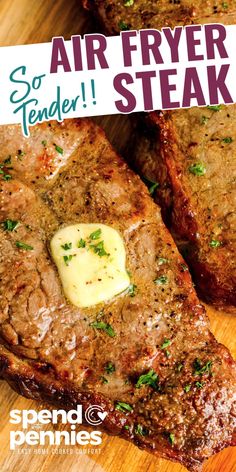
x=34 y=21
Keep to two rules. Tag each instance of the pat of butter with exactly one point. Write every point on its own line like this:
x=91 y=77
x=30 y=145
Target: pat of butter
x=91 y=262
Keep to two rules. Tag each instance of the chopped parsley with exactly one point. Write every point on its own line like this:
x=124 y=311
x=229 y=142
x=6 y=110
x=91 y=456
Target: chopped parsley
x=172 y=438
x=214 y=107
x=151 y=378
x=179 y=367
x=109 y=368
x=96 y=234
x=139 y=429
x=153 y=187
x=187 y=388
x=197 y=169
x=227 y=140
x=123 y=407
x=166 y=343
x=214 y=243
x=58 y=149
x=7 y=161
x=24 y=246
x=104 y=380
x=66 y=246
x=199 y=384
x=123 y=26
x=104 y=327
x=204 y=120
x=126 y=427
x=10 y=225
x=162 y=260
x=44 y=143
x=68 y=259
x=5 y=176
x=184 y=267
x=225 y=5
x=200 y=369
x=128 y=3
x=162 y=280
x=132 y=290
x=81 y=243
x=99 y=249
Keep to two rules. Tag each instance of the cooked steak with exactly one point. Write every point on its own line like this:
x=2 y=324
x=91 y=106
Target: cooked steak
x=191 y=153
x=121 y=15
x=195 y=162
x=167 y=385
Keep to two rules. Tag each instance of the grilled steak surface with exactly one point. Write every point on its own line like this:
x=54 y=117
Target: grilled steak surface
x=191 y=153
x=183 y=409
x=195 y=161
x=121 y=15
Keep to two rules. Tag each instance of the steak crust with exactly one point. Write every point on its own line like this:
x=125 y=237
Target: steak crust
x=199 y=210
x=50 y=351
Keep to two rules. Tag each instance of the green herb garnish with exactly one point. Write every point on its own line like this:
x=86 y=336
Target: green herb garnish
x=96 y=234
x=58 y=149
x=172 y=438
x=81 y=243
x=197 y=169
x=162 y=260
x=153 y=187
x=184 y=267
x=123 y=407
x=67 y=259
x=200 y=369
x=123 y=26
x=162 y=280
x=199 y=384
x=214 y=243
x=126 y=427
x=225 y=5
x=25 y=246
x=104 y=327
x=128 y=3
x=139 y=429
x=151 y=378
x=10 y=225
x=66 y=246
x=110 y=368
x=227 y=140
x=166 y=343
x=7 y=161
x=44 y=143
x=214 y=107
x=99 y=249
x=179 y=367
x=103 y=380
x=132 y=290
x=204 y=120
x=187 y=388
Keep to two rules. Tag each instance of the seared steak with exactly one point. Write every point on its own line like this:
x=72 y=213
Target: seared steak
x=191 y=153
x=195 y=161
x=116 y=16
x=176 y=384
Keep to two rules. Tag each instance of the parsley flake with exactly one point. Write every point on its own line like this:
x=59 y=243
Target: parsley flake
x=162 y=280
x=81 y=243
x=197 y=169
x=24 y=246
x=66 y=246
x=107 y=328
x=10 y=225
x=58 y=149
x=123 y=407
x=151 y=378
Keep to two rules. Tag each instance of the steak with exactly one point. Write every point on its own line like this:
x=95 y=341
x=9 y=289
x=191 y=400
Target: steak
x=192 y=155
x=167 y=384
x=198 y=209
x=115 y=16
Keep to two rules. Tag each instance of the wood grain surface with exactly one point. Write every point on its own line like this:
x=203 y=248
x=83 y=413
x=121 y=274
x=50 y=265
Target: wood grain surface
x=34 y=21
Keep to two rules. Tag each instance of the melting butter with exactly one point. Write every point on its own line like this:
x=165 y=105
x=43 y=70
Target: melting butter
x=91 y=263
